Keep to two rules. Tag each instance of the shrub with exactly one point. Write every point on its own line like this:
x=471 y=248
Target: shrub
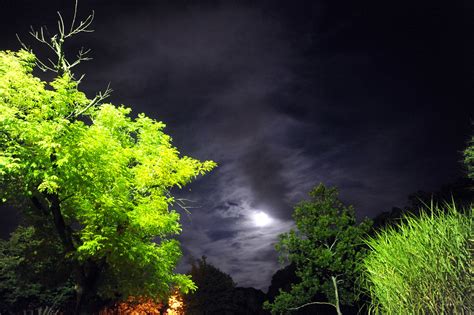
x=424 y=265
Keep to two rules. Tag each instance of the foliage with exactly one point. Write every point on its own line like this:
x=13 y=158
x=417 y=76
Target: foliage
x=101 y=177
x=282 y=280
x=215 y=290
x=469 y=158
x=425 y=265
x=32 y=271
x=325 y=248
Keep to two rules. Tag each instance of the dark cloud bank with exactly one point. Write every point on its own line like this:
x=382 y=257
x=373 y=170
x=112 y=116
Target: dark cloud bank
x=373 y=98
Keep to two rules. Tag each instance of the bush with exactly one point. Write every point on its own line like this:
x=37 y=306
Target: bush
x=424 y=265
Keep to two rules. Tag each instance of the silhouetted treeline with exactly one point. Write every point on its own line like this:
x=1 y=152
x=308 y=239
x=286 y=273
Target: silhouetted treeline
x=461 y=192
x=218 y=294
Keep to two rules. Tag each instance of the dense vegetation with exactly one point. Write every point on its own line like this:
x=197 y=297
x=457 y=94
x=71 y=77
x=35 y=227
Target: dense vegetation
x=423 y=265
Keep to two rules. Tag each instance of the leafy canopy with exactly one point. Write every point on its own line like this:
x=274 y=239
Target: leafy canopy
x=103 y=177
x=326 y=248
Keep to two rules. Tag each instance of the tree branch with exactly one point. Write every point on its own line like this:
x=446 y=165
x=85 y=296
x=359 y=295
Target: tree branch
x=74 y=16
x=94 y=102
x=334 y=282
x=311 y=303
x=55 y=42
x=61 y=65
x=336 y=306
x=39 y=205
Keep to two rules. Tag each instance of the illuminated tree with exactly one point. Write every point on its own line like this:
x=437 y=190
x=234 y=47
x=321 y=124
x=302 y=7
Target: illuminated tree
x=100 y=176
x=325 y=248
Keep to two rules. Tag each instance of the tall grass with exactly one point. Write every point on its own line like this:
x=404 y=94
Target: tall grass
x=424 y=265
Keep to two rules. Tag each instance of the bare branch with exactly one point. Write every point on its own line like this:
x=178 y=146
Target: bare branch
x=310 y=303
x=43 y=66
x=83 y=26
x=81 y=56
x=83 y=52
x=74 y=16
x=80 y=78
x=183 y=206
x=62 y=65
x=39 y=36
x=336 y=306
x=55 y=42
x=52 y=62
x=333 y=243
x=94 y=102
x=181 y=202
x=60 y=25
x=23 y=45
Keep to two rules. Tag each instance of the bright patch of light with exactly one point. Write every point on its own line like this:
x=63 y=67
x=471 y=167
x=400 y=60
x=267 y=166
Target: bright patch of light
x=261 y=218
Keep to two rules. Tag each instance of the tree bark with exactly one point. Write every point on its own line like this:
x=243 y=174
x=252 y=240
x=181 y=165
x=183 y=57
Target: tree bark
x=65 y=235
x=64 y=231
x=86 y=274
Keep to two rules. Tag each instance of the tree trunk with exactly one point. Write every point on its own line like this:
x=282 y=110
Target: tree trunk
x=88 y=279
x=79 y=298
x=64 y=231
x=65 y=235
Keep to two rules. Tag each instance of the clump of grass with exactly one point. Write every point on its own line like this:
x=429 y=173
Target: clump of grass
x=424 y=265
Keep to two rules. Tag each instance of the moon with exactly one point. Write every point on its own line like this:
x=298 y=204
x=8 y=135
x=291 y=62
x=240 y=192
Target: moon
x=261 y=219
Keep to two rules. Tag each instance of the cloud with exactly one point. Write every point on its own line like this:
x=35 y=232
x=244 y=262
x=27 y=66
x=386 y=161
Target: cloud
x=223 y=78
x=237 y=247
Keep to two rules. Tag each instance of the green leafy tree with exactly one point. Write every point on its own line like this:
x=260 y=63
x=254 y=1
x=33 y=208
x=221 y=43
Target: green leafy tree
x=215 y=290
x=326 y=248
x=102 y=178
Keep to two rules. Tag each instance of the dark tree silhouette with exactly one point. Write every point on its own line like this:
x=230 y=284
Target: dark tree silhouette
x=215 y=290
x=33 y=271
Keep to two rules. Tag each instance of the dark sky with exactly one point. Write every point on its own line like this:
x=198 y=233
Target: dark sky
x=372 y=96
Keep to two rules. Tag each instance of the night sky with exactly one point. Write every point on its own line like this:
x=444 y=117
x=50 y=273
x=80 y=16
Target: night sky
x=374 y=97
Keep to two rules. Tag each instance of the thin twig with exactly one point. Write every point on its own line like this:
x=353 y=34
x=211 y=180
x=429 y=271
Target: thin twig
x=310 y=303
x=55 y=42
x=94 y=102
x=74 y=16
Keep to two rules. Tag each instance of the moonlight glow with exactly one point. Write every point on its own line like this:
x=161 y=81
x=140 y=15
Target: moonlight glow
x=261 y=218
